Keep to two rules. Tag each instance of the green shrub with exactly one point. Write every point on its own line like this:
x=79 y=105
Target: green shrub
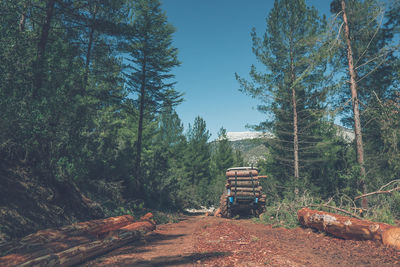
x=283 y=213
x=161 y=217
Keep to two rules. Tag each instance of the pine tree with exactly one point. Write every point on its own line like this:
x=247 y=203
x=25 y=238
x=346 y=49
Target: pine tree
x=165 y=181
x=291 y=88
x=151 y=58
x=365 y=54
x=197 y=160
x=198 y=153
x=56 y=125
x=238 y=158
x=224 y=155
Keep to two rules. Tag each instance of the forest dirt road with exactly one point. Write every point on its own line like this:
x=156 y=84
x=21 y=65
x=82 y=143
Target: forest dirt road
x=211 y=241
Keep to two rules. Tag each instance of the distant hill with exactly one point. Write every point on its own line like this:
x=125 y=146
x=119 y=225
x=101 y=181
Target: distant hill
x=252 y=149
x=251 y=144
x=345 y=133
x=238 y=136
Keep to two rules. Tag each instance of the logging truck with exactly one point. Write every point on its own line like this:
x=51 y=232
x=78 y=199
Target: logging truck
x=243 y=193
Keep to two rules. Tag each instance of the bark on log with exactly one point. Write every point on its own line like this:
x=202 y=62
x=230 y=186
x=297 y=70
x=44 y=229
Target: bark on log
x=247 y=173
x=79 y=254
x=342 y=226
x=243 y=179
x=246 y=189
x=391 y=237
x=36 y=251
x=96 y=228
x=232 y=183
x=244 y=194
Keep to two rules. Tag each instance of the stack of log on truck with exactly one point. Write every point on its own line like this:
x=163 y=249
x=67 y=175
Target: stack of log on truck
x=243 y=193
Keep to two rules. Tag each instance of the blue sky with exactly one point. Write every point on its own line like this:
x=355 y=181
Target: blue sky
x=213 y=38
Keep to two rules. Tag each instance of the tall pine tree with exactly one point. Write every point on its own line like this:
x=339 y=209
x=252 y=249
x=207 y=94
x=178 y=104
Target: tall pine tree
x=151 y=58
x=366 y=37
x=224 y=158
x=292 y=52
x=197 y=160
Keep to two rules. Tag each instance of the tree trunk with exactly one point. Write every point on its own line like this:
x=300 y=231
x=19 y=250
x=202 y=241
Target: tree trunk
x=356 y=111
x=41 y=48
x=295 y=136
x=89 y=48
x=295 y=121
x=139 y=182
x=140 y=133
x=23 y=18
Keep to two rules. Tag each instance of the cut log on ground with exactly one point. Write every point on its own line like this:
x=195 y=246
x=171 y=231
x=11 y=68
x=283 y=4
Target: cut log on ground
x=391 y=237
x=73 y=250
x=94 y=227
x=78 y=254
x=74 y=234
x=350 y=228
x=27 y=253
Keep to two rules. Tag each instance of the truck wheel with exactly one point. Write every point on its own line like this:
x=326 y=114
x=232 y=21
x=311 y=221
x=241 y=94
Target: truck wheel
x=261 y=209
x=223 y=205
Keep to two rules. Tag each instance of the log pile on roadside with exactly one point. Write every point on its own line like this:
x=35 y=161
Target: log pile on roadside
x=350 y=228
x=74 y=244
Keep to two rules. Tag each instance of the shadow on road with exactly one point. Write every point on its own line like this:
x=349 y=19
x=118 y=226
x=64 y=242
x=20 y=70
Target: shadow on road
x=153 y=239
x=155 y=249
x=175 y=260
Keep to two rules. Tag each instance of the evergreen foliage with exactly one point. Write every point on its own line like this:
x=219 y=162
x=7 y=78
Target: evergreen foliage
x=224 y=157
x=87 y=97
x=293 y=91
x=151 y=58
x=331 y=170
x=371 y=34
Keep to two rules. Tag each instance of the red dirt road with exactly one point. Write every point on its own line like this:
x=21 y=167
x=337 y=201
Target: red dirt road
x=210 y=241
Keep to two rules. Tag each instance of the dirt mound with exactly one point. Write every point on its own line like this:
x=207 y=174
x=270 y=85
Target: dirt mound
x=29 y=203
